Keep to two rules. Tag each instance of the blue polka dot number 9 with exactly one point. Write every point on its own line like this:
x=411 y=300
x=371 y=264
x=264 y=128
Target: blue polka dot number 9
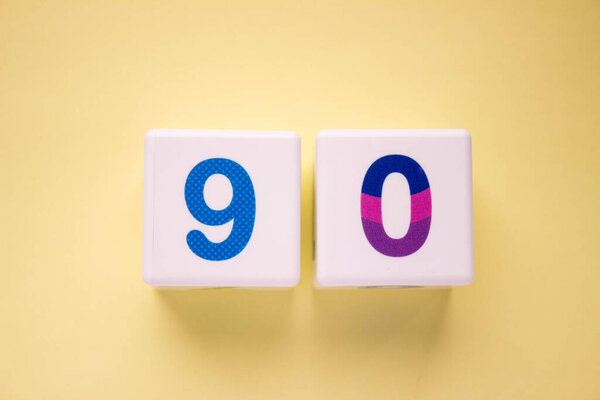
x=241 y=210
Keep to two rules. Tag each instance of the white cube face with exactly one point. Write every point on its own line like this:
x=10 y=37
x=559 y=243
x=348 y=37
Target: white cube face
x=393 y=208
x=221 y=208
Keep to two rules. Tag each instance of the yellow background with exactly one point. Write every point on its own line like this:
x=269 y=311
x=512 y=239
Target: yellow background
x=80 y=84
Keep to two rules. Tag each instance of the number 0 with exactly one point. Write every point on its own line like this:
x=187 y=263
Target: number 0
x=241 y=210
x=420 y=206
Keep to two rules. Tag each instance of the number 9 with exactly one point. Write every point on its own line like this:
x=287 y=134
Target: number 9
x=241 y=210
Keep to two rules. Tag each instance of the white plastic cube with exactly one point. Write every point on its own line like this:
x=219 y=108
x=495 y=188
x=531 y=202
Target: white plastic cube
x=221 y=208
x=393 y=208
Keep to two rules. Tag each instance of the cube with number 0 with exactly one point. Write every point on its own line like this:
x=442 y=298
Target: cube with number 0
x=393 y=208
x=221 y=208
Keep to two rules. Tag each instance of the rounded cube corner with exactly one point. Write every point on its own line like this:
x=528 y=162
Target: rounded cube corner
x=463 y=133
x=152 y=134
x=292 y=281
x=322 y=281
x=148 y=279
x=293 y=135
x=468 y=278
x=465 y=278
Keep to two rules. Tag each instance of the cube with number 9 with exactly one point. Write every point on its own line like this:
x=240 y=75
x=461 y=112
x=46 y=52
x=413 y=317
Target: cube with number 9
x=394 y=208
x=221 y=208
